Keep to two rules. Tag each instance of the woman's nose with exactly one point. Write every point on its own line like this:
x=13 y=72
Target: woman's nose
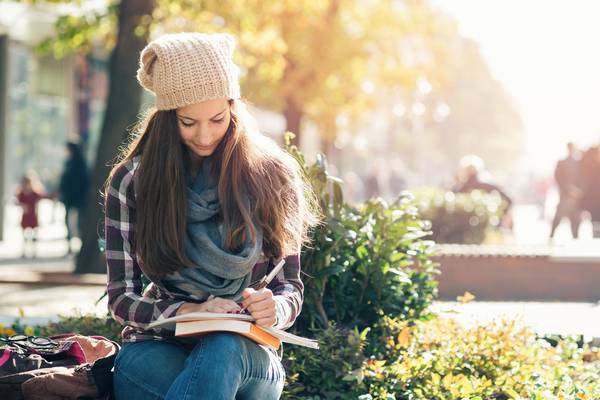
x=202 y=136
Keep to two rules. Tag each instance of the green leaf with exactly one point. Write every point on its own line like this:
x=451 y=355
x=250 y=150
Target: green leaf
x=364 y=332
x=361 y=252
x=338 y=197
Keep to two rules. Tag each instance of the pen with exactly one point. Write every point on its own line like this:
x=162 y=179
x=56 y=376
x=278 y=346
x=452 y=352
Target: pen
x=265 y=281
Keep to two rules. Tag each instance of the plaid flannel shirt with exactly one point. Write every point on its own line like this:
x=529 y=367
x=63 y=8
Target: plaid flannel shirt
x=134 y=307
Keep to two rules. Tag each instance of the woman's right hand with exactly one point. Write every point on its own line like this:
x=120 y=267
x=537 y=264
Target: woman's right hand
x=215 y=304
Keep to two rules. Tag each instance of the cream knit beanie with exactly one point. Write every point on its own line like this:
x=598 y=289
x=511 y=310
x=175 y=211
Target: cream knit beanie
x=187 y=68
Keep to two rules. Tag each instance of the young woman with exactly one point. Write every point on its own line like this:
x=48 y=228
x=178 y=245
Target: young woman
x=203 y=206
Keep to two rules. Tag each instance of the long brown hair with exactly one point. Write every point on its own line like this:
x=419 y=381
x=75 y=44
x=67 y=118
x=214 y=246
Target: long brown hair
x=247 y=165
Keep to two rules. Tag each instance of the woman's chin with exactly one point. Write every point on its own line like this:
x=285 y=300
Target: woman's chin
x=203 y=152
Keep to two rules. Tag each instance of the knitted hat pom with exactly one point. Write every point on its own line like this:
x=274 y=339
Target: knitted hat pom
x=144 y=73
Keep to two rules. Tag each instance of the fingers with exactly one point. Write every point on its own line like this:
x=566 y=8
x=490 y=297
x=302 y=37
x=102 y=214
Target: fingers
x=265 y=305
x=248 y=292
x=221 y=305
x=262 y=306
x=252 y=296
x=221 y=309
x=266 y=313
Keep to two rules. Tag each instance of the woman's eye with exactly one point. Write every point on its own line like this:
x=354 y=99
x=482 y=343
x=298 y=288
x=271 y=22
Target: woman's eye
x=218 y=121
x=186 y=125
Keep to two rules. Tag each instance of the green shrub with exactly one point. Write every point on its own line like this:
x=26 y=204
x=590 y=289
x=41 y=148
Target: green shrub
x=85 y=324
x=331 y=372
x=366 y=261
x=460 y=217
x=385 y=265
x=441 y=359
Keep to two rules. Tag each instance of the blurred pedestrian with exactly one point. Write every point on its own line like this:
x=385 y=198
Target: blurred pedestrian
x=73 y=187
x=568 y=178
x=353 y=188
x=590 y=176
x=29 y=193
x=397 y=180
x=472 y=176
x=374 y=182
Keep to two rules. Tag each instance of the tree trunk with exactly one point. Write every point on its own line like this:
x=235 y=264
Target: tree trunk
x=122 y=107
x=293 y=118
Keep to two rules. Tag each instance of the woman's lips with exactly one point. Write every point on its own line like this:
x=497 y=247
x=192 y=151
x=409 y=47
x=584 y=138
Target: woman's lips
x=200 y=147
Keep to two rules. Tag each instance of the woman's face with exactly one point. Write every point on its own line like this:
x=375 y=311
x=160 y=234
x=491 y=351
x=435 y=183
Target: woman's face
x=203 y=125
x=26 y=183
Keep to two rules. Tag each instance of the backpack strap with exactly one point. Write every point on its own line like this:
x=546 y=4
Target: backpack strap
x=100 y=373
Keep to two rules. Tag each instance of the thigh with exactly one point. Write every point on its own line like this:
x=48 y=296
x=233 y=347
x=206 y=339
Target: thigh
x=264 y=374
x=146 y=370
x=225 y=365
x=230 y=352
x=562 y=208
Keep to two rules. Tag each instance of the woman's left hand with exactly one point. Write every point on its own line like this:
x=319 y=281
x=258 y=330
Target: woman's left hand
x=261 y=305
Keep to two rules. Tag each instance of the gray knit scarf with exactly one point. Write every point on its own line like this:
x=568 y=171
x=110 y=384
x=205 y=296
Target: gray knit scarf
x=215 y=270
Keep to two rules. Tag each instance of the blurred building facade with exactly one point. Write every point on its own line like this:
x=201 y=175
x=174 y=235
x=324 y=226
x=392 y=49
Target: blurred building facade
x=49 y=100
x=46 y=101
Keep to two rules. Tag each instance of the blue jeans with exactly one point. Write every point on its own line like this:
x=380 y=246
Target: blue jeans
x=220 y=365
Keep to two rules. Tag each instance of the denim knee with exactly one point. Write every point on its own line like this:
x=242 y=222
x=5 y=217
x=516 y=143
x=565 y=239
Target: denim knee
x=235 y=367
x=146 y=370
x=224 y=341
x=223 y=349
x=233 y=352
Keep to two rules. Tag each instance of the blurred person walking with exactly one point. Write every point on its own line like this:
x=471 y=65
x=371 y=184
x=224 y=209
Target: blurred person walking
x=375 y=181
x=29 y=193
x=73 y=187
x=568 y=178
x=590 y=175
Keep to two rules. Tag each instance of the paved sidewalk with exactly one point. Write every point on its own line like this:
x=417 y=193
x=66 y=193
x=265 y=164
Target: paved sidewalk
x=43 y=288
x=543 y=317
x=46 y=303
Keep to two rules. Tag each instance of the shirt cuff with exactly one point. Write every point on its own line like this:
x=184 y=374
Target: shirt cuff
x=282 y=312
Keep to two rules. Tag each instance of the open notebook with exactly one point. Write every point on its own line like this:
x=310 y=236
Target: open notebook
x=197 y=323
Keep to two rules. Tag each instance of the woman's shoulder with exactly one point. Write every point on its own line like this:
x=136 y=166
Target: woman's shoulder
x=123 y=176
